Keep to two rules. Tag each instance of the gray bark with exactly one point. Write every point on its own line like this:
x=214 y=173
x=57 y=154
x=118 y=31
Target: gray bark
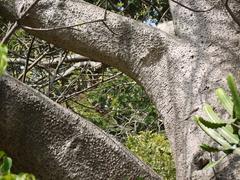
x=53 y=143
x=179 y=73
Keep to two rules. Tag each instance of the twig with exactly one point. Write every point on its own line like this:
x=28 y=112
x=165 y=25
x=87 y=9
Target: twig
x=194 y=10
x=147 y=2
x=80 y=104
x=16 y=23
x=9 y=33
x=235 y=19
x=25 y=13
x=60 y=27
x=164 y=14
x=27 y=60
x=66 y=90
x=71 y=26
x=86 y=89
x=52 y=79
x=34 y=63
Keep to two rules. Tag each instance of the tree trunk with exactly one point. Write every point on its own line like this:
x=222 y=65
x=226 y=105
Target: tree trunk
x=179 y=72
x=53 y=143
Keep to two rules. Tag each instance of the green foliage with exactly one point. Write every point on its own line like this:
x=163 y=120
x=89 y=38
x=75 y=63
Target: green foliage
x=5 y=170
x=154 y=149
x=119 y=106
x=15 y=46
x=3 y=59
x=225 y=132
x=142 y=11
x=139 y=10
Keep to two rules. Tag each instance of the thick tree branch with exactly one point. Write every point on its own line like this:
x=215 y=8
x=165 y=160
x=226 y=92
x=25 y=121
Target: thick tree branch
x=54 y=143
x=128 y=49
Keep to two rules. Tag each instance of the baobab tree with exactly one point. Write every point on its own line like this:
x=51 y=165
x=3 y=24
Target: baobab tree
x=179 y=73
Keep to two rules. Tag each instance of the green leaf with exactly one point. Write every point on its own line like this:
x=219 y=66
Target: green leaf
x=9 y=177
x=211 y=124
x=235 y=95
x=213 y=163
x=2 y=154
x=3 y=59
x=212 y=116
x=216 y=122
x=120 y=4
x=213 y=134
x=6 y=165
x=25 y=176
x=225 y=100
x=208 y=148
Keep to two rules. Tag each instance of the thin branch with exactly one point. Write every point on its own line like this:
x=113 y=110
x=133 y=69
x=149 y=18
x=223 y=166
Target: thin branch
x=66 y=90
x=89 y=88
x=194 y=10
x=52 y=79
x=16 y=23
x=9 y=33
x=27 y=60
x=34 y=63
x=147 y=2
x=164 y=14
x=60 y=27
x=235 y=19
x=25 y=12
x=80 y=104
x=71 y=26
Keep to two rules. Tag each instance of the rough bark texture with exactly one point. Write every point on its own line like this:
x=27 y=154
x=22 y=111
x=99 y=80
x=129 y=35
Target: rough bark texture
x=179 y=73
x=53 y=143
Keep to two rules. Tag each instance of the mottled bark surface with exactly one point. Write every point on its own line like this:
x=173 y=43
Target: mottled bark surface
x=53 y=143
x=179 y=72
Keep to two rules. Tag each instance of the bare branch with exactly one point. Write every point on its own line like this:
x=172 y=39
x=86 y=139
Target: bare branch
x=194 y=10
x=22 y=14
x=27 y=60
x=34 y=63
x=125 y=43
x=63 y=99
x=235 y=19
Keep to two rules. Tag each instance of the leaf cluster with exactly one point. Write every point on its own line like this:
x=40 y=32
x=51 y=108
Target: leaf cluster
x=120 y=107
x=154 y=149
x=224 y=132
x=138 y=9
x=3 y=59
x=5 y=170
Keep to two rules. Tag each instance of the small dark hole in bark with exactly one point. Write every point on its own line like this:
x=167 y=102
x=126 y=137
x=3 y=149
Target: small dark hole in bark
x=200 y=161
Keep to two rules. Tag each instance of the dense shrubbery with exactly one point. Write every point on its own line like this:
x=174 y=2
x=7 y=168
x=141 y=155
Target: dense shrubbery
x=154 y=149
x=119 y=106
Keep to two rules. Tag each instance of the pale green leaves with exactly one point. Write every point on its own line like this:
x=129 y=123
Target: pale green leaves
x=6 y=164
x=224 y=132
x=3 y=59
x=5 y=170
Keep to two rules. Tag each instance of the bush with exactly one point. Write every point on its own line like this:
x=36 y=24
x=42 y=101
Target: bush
x=154 y=149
